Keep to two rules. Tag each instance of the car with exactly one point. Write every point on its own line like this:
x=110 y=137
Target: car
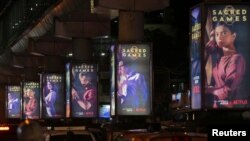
x=68 y=134
x=160 y=136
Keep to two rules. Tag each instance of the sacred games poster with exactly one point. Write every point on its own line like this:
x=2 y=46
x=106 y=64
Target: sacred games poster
x=133 y=79
x=227 y=56
x=13 y=96
x=112 y=81
x=84 y=90
x=195 y=57
x=53 y=97
x=31 y=100
x=67 y=85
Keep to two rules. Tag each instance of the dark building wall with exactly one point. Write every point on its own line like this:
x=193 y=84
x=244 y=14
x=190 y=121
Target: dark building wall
x=2 y=103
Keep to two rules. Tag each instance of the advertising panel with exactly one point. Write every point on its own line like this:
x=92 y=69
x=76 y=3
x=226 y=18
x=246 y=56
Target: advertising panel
x=195 y=57
x=84 y=102
x=67 y=85
x=133 y=79
x=13 y=102
x=31 y=100
x=112 y=81
x=227 y=56
x=53 y=96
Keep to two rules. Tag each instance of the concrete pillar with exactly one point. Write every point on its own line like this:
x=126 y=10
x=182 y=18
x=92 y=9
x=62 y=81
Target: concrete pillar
x=82 y=49
x=31 y=74
x=54 y=64
x=131 y=26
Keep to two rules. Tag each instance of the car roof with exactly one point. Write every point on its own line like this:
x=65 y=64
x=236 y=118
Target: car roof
x=65 y=132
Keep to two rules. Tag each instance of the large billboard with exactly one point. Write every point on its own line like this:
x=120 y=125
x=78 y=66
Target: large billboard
x=31 y=100
x=133 y=79
x=13 y=96
x=195 y=57
x=227 y=56
x=84 y=102
x=53 y=96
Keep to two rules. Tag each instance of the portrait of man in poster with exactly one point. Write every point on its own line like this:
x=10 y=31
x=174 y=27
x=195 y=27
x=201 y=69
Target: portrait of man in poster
x=133 y=79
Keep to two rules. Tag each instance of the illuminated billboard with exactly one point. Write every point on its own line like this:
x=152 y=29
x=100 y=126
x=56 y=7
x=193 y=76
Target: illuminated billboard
x=133 y=79
x=13 y=96
x=112 y=81
x=67 y=85
x=31 y=100
x=53 y=97
x=227 y=56
x=84 y=100
x=195 y=57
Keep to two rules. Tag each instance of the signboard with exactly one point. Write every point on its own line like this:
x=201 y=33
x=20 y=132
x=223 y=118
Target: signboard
x=133 y=79
x=195 y=57
x=13 y=102
x=53 y=97
x=67 y=79
x=84 y=100
x=227 y=56
x=31 y=100
x=112 y=81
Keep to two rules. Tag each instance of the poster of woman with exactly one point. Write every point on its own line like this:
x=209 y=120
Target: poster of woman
x=53 y=96
x=227 y=55
x=31 y=100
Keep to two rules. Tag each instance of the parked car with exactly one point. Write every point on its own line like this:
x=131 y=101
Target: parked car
x=68 y=134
